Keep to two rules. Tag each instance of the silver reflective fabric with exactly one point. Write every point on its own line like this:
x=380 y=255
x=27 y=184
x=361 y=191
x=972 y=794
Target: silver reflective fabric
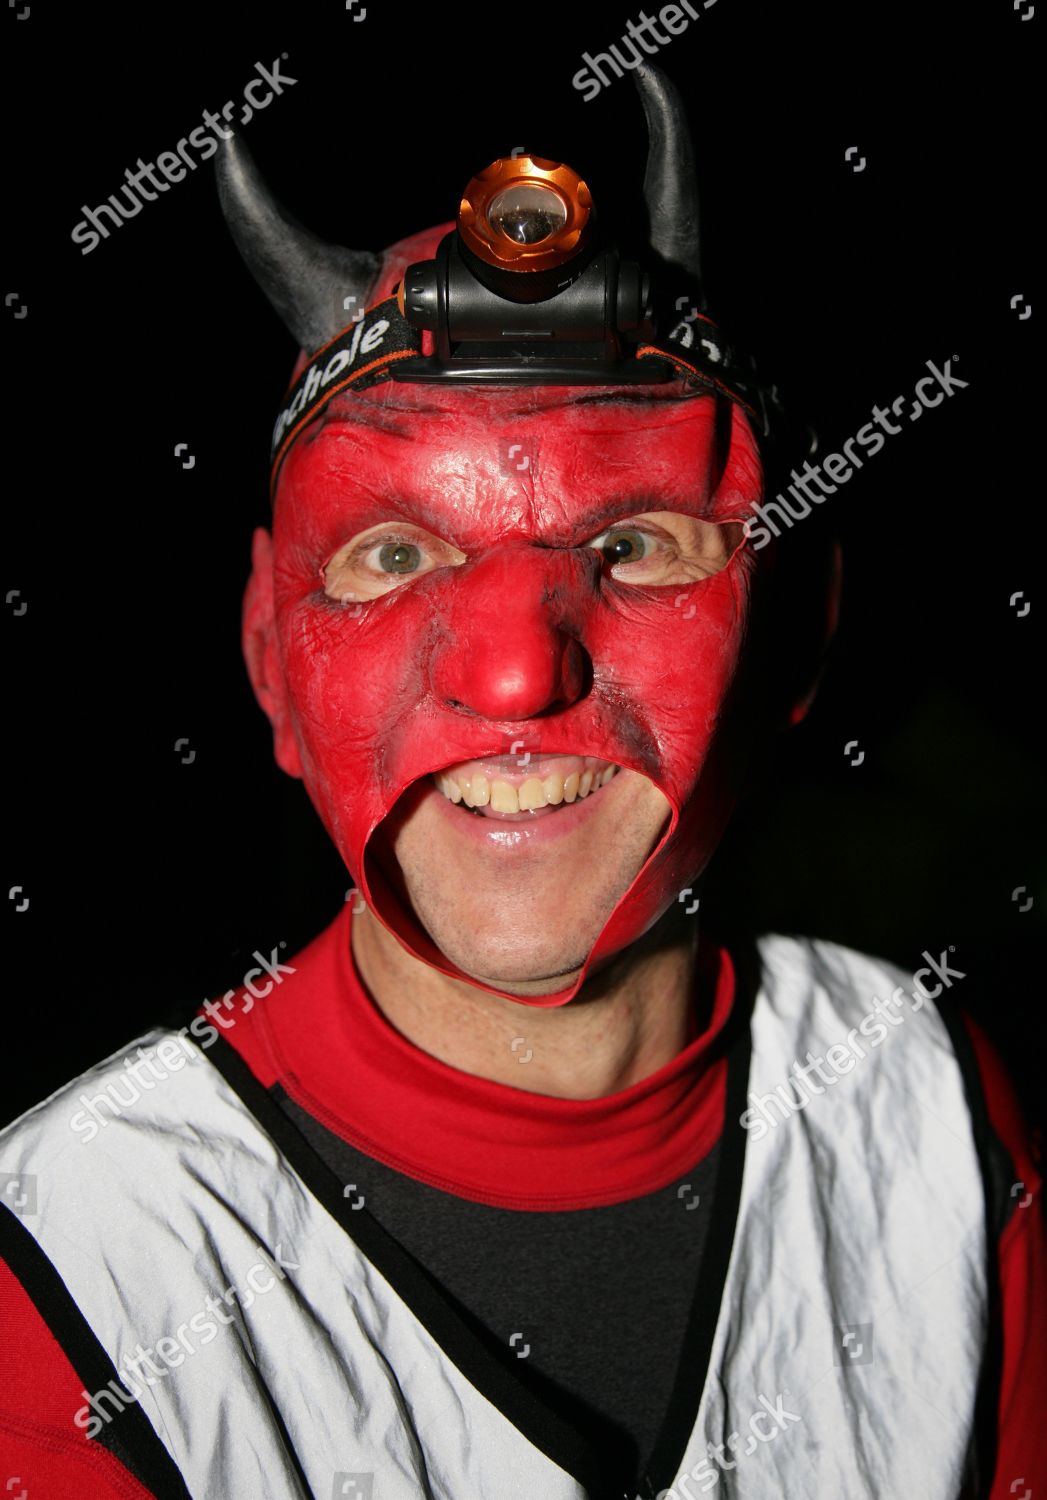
x=855 y=1309
x=862 y=1210
x=183 y=1196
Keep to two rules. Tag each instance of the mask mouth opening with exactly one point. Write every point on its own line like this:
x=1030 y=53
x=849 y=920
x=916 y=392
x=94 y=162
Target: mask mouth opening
x=386 y=886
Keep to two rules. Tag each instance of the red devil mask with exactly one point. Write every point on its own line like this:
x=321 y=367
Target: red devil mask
x=500 y=624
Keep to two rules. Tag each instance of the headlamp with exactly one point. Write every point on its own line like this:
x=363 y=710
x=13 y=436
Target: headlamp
x=524 y=290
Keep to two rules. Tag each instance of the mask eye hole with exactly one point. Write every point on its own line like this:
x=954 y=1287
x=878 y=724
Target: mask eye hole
x=663 y=548
x=384 y=558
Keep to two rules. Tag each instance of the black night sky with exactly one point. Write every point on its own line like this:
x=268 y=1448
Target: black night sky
x=149 y=880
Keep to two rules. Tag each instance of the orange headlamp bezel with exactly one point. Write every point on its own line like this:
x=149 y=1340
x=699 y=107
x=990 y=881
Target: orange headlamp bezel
x=493 y=247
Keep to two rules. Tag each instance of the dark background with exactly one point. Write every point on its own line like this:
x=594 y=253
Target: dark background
x=149 y=880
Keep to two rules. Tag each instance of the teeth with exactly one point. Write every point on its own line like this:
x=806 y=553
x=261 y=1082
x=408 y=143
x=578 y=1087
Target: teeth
x=478 y=790
x=503 y=797
x=532 y=794
x=535 y=792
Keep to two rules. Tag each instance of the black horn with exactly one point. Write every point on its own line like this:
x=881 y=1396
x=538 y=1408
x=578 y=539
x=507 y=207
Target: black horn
x=308 y=281
x=669 y=185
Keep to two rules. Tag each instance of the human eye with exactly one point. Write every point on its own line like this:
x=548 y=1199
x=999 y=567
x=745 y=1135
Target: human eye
x=625 y=545
x=666 y=547
x=384 y=558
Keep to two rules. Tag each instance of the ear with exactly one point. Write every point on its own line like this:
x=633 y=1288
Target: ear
x=258 y=639
x=832 y=585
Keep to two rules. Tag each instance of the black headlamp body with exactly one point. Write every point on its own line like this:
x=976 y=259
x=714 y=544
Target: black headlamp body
x=576 y=324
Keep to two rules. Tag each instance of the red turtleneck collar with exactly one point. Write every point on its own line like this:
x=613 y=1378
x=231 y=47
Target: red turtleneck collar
x=320 y=1036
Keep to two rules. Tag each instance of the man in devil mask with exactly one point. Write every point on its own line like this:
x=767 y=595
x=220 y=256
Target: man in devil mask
x=511 y=1184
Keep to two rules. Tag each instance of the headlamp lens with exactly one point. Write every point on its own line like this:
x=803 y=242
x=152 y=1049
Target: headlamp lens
x=527 y=213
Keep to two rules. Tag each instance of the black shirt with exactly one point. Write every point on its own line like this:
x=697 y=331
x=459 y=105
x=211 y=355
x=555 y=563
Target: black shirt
x=588 y=1307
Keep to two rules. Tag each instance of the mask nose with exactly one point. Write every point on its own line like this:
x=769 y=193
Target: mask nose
x=511 y=649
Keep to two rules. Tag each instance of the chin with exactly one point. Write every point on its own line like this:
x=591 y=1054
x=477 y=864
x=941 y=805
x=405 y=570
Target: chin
x=514 y=963
x=509 y=914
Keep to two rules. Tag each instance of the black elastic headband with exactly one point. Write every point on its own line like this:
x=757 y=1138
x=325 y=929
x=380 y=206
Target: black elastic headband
x=371 y=349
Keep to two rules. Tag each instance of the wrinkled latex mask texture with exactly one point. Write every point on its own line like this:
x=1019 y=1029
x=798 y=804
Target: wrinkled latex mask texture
x=513 y=640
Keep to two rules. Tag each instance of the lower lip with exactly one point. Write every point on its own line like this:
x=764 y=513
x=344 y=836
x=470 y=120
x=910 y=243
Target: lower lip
x=525 y=830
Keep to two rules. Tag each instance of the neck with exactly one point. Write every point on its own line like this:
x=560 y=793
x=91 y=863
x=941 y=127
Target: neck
x=625 y=1023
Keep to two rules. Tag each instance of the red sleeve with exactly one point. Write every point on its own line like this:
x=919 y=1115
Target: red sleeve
x=43 y=1453
x=1021 y=1462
